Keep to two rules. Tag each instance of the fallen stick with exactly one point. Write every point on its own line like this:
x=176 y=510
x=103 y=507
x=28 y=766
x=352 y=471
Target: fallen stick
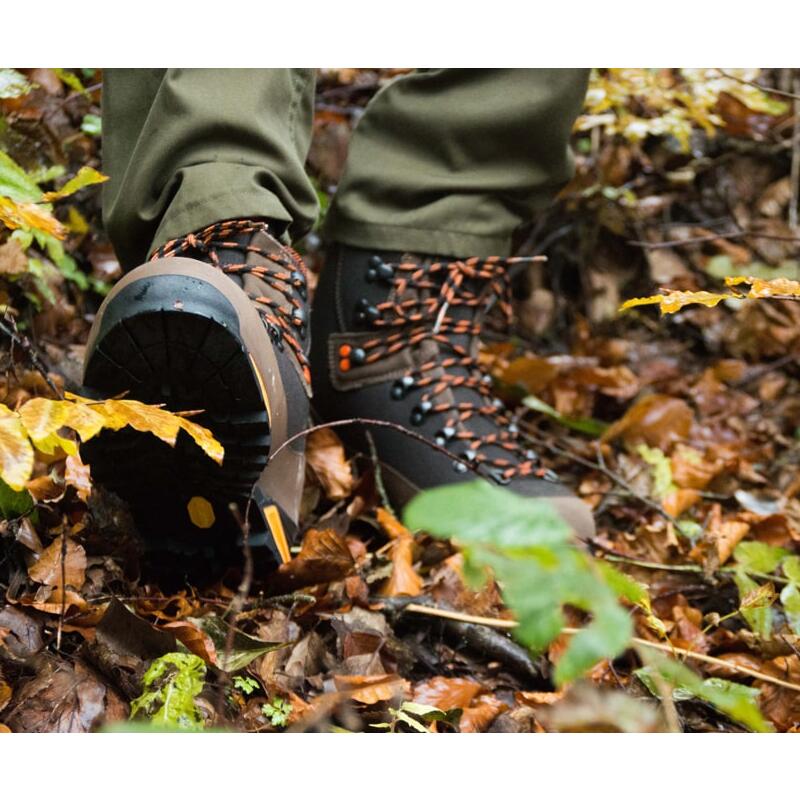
x=508 y=624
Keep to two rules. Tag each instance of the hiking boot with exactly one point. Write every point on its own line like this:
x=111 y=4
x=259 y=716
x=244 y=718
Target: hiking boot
x=215 y=321
x=395 y=338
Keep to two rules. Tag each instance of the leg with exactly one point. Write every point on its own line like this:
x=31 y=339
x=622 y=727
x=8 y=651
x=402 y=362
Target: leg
x=189 y=147
x=451 y=161
x=207 y=169
x=444 y=165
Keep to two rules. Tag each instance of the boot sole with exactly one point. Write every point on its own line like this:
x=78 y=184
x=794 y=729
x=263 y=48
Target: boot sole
x=179 y=340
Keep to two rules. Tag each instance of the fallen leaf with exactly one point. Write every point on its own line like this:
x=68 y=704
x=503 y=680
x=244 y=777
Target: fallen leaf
x=404 y=579
x=324 y=557
x=446 y=693
x=325 y=455
x=195 y=640
x=48 y=568
x=371 y=689
x=482 y=714
x=658 y=420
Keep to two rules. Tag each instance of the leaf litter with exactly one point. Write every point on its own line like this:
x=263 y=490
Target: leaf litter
x=683 y=612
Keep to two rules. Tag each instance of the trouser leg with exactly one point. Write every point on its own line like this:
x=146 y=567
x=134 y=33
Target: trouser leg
x=452 y=161
x=188 y=147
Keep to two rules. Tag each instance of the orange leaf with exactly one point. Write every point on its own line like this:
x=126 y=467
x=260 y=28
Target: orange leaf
x=29 y=216
x=446 y=693
x=197 y=641
x=371 y=689
x=325 y=455
x=656 y=419
x=479 y=717
x=324 y=557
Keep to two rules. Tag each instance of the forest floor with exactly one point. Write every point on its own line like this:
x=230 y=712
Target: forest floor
x=682 y=432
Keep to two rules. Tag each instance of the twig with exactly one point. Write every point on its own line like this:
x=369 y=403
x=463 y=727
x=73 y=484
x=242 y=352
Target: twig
x=9 y=328
x=605 y=471
x=755 y=85
x=711 y=237
x=794 y=179
x=63 y=610
x=665 y=648
x=376 y=467
x=238 y=601
x=377 y=423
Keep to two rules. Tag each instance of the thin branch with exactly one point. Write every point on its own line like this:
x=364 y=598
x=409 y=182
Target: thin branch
x=755 y=85
x=711 y=237
x=416 y=608
x=605 y=471
x=9 y=327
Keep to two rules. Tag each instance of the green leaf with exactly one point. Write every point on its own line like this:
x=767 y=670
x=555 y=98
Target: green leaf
x=277 y=711
x=737 y=701
x=758 y=618
x=790 y=597
x=170 y=685
x=660 y=469
x=71 y=80
x=92 y=125
x=791 y=568
x=86 y=176
x=15 y=182
x=244 y=648
x=529 y=549
x=594 y=427
x=14 y=504
x=759 y=557
x=13 y=84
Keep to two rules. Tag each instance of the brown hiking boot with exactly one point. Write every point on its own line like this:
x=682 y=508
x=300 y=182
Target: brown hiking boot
x=215 y=321
x=396 y=338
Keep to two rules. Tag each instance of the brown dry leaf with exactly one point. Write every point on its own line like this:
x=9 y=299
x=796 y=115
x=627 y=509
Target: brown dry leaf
x=675 y=503
x=197 y=641
x=325 y=455
x=780 y=705
x=48 y=568
x=324 y=557
x=78 y=475
x=45 y=490
x=404 y=579
x=371 y=689
x=446 y=693
x=170 y=608
x=658 y=420
x=13 y=260
x=726 y=534
x=534 y=373
x=5 y=729
x=690 y=470
x=65 y=699
x=51 y=600
x=480 y=716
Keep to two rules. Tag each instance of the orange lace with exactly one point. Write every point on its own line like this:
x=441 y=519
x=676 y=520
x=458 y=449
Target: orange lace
x=288 y=277
x=480 y=284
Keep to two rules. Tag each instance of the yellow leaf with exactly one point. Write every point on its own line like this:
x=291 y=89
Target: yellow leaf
x=670 y=302
x=203 y=438
x=83 y=419
x=42 y=417
x=86 y=177
x=164 y=424
x=777 y=287
x=29 y=216
x=16 y=451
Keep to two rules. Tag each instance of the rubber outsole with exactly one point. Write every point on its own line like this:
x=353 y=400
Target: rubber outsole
x=174 y=341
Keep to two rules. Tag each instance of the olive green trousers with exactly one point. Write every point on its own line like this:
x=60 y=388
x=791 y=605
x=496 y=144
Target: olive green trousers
x=445 y=161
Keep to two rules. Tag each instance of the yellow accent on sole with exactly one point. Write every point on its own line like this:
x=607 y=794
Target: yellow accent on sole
x=201 y=512
x=264 y=392
x=273 y=518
